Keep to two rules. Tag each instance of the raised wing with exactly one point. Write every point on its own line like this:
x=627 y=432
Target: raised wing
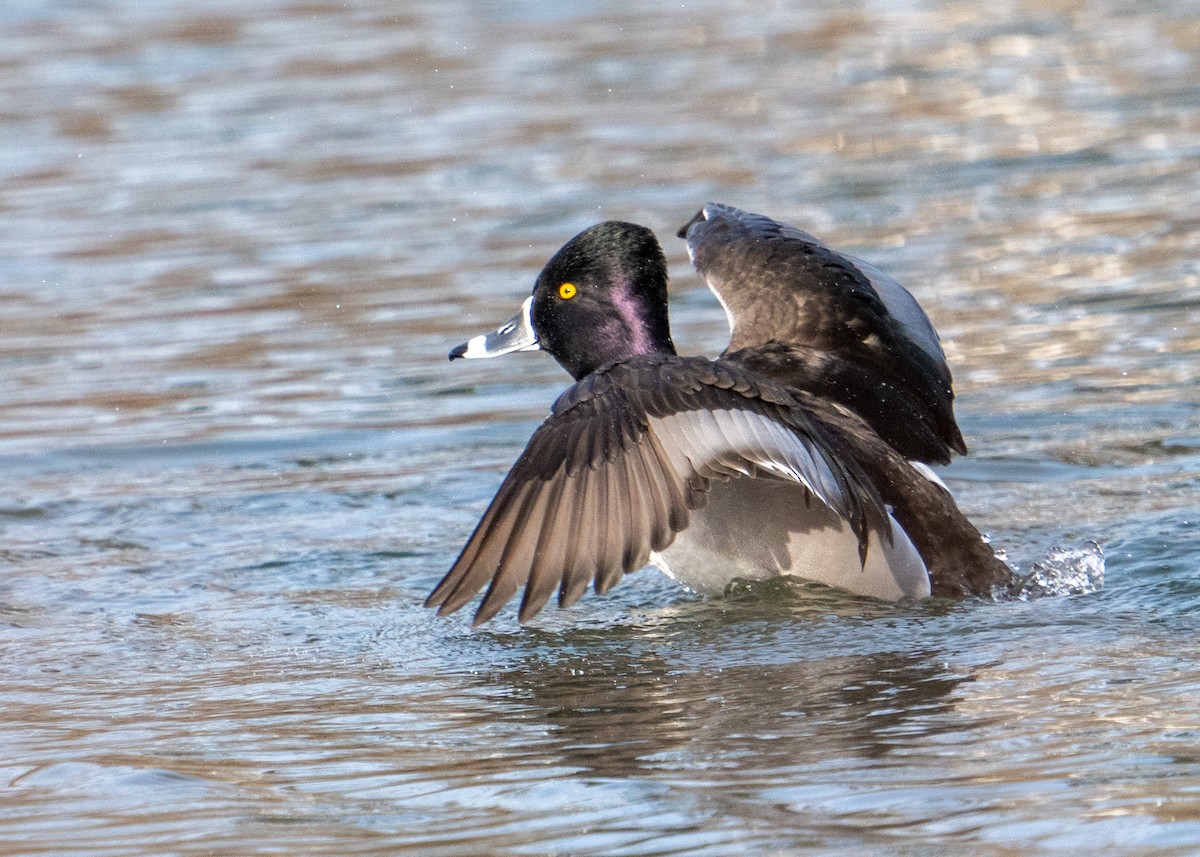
x=816 y=319
x=711 y=232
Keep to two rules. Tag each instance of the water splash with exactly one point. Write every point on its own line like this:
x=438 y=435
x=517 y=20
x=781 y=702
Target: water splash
x=1064 y=571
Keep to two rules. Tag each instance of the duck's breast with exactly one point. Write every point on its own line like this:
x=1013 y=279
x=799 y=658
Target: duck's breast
x=756 y=528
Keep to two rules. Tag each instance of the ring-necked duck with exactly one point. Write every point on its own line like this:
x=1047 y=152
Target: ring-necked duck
x=818 y=320
x=705 y=467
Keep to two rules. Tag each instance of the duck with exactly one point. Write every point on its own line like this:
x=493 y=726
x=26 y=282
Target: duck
x=707 y=469
x=816 y=319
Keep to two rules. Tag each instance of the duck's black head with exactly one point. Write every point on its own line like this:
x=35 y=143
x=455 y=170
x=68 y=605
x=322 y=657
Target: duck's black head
x=600 y=299
x=603 y=298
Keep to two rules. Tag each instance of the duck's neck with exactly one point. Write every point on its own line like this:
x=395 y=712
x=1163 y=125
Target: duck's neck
x=646 y=327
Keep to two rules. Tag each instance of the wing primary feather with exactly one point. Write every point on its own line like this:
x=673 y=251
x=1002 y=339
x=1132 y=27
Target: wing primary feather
x=637 y=492
x=660 y=503
x=674 y=494
x=616 y=515
x=492 y=534
x=578 y=565
x=450 y=582
x=654 y=506
x=516 y=552
x=546 y=571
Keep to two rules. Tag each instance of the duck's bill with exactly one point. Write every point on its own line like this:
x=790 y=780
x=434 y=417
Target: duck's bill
x=516 y=334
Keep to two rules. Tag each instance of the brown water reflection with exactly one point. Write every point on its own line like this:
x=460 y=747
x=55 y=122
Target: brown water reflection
x=239 y=239
x=651 y=714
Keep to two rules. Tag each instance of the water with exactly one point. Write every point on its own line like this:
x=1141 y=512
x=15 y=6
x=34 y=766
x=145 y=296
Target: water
x=237 y=244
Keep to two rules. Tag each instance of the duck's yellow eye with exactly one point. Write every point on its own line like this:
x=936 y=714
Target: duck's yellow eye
x=567 y=291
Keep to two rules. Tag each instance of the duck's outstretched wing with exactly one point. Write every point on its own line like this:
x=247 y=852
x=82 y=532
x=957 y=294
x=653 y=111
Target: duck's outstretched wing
x=615 y=471
x=813 y=318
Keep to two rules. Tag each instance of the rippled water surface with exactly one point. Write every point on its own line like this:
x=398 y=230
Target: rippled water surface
x=238 y=240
